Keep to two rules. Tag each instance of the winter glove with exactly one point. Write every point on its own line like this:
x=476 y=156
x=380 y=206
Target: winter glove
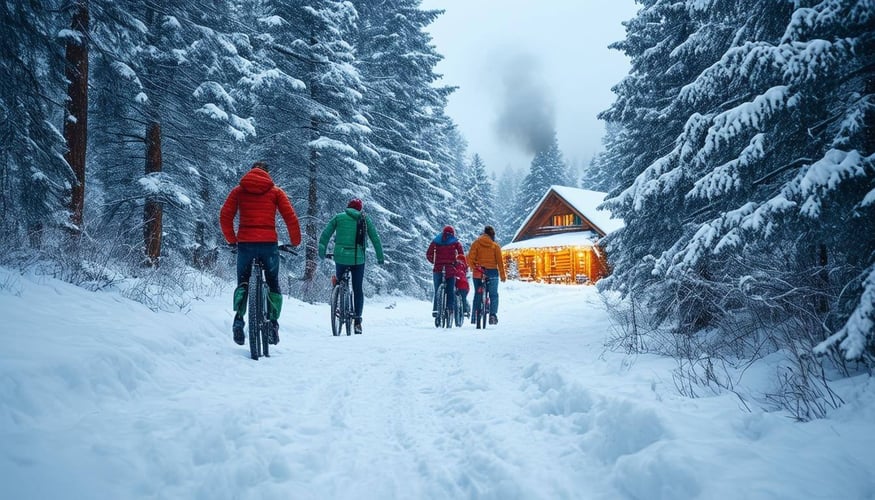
x=232 y=247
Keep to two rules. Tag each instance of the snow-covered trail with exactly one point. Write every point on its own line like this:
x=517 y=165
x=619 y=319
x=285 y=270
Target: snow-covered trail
x=403 y=411
x=103 y=398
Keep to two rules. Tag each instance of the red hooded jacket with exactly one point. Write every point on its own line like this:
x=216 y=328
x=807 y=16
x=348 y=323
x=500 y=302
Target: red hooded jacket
x=442 y=252
x=257 y=200
x=462 y=274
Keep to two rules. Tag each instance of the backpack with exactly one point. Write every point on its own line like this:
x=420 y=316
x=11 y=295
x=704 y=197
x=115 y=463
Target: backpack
x=361 y=230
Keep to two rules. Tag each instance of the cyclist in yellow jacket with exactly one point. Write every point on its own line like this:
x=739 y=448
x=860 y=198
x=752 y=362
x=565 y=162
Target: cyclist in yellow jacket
x=485 y=253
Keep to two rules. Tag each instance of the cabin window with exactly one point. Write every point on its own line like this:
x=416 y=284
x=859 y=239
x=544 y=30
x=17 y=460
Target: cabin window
x=566 y=220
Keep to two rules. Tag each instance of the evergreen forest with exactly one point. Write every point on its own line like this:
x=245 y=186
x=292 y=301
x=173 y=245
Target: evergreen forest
x=739 y=152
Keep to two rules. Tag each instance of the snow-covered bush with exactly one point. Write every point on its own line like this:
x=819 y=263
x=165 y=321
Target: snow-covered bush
x=747 y=171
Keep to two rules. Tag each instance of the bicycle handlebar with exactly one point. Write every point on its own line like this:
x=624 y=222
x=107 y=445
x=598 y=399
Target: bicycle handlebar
x=284 y=247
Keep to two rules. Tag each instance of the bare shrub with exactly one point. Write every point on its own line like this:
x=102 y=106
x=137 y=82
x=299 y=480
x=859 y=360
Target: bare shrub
x=114 y=264
x=716 y=327
x=11 y=284
x=171 y=287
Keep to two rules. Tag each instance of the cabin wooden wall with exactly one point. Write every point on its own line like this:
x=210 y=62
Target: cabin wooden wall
x=569 y=265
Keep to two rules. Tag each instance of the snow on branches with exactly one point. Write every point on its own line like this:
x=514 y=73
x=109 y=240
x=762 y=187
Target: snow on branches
x=858 y=334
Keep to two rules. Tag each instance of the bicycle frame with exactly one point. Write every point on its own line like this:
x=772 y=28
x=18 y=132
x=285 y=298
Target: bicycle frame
x=482 y=314
x=258 y=320
x=257 y=308
x=342 y=308
x=444 y=318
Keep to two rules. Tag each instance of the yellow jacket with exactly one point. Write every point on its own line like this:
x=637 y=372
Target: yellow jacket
x=487 y=253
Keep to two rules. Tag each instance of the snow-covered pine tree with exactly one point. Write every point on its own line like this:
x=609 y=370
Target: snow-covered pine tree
x=666 y=52
x=759 y=204
x=396 y=60
x=320 y=133
x=506 y=189
x=787 y=163
x=600 y=173
x=224 y=72
x=157 y=85
x=669 y=44
x=478 y=200
x=450 y=150
x=576 y=168
x=547 y=169
x=35 y=179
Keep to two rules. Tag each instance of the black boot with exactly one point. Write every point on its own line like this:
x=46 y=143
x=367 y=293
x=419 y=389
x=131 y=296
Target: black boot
x=239 y=337
x=274 y=332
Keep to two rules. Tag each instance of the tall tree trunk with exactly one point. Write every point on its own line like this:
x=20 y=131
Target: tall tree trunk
x=203 y=257
x=869 y=117
x=76 y=119
x=311 y=248
x=153 y=211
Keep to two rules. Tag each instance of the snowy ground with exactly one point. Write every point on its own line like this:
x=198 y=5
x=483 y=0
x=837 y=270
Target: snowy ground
x=102 y=398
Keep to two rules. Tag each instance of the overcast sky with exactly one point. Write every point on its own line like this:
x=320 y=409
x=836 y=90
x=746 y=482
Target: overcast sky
x=524 y=66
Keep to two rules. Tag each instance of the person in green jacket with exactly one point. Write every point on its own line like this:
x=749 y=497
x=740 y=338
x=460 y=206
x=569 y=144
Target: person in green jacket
x=349 y=251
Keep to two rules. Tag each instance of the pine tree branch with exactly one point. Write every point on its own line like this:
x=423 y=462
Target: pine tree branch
x=289 y=52
x=793 y=164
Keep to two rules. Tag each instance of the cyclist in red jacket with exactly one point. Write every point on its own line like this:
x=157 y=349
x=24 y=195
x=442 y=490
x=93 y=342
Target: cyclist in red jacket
x=442 y=252
x=257 y=200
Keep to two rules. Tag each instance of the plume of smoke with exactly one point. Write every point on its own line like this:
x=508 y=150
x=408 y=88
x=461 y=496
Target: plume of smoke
x=526 y=115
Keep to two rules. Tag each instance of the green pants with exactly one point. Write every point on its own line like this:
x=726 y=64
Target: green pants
x=274 y=302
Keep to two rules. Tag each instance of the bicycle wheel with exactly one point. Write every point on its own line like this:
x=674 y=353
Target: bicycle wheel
x=255 y=312
x=486 y=308
x=446 y=315
x=337 y=309
x=265 y=324
x=348 y=310
x=441 y=305
x=483 y=314
x=459 y=313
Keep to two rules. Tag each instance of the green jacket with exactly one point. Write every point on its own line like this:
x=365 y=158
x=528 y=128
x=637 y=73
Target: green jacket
x=345 y=251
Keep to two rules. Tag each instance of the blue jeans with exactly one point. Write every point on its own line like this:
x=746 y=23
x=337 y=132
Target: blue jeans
x=357 y=273
x=493 y=291
x=451 y=291
x=270 y=258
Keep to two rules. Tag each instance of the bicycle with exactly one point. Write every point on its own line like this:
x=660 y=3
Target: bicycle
x=444 y=317
x=459 y=312
x=342 y=307
x=480 y=315
x=260 y=327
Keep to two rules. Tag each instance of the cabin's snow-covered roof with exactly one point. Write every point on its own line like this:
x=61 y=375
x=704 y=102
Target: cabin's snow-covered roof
x=585 y=202
x=572 y=239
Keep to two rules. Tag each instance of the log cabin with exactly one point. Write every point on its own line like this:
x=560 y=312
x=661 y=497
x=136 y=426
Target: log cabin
x=559 y=241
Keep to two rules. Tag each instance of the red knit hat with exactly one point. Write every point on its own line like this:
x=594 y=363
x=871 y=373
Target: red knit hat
x=355 y=203
x=449 y=230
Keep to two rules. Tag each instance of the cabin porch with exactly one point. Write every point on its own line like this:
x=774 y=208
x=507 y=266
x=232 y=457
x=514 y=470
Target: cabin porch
x=573 y=265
